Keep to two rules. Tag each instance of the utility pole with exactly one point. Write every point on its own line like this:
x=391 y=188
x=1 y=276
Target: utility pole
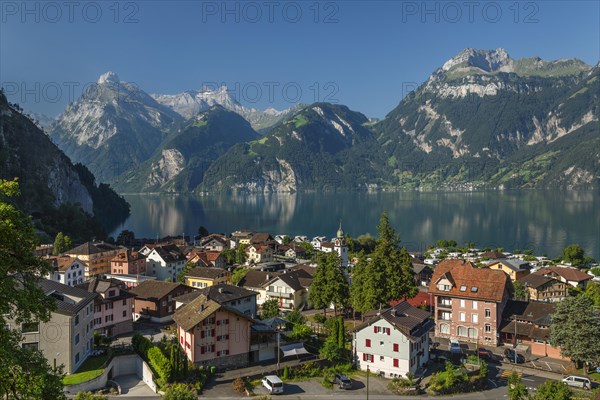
x=515 y=340
x=367 y=382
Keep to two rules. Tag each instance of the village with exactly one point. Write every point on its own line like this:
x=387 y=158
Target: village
x=223 y=313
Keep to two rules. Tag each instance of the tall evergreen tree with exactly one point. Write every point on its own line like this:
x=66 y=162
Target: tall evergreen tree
x=62 y=243
x=329 y=285
x=387 y=276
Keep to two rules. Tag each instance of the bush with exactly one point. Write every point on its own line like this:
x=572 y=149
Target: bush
x=238 y=385
x=180 y=391
x=160 y=363
x=286 y=373
x=319 y=318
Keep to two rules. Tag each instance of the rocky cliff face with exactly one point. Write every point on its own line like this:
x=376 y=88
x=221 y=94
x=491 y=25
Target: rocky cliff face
x=44 y=172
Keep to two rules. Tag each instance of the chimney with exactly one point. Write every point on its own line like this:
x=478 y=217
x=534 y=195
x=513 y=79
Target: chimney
x=268 y=276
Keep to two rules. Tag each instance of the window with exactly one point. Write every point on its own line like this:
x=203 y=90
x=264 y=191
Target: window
x=77 y=339
x=475 y=304
x=463 y=303
x=124 y=313
x=462 y=316
x=31 y=346
x=76 y=358
x=462 y=331
x=108 y=318
x=488 y=313
x=396 y=347
x=124 y=302
x=488 y=328
x=381 y=358
x=76 y=320
x=381 y=343
x=368 y=342
x=111 y=293
x=30 y=327
x=474 y=289
x=472 y=333
x=396 y=363
x=475 y=318
x=109 y=306
x=445 y=328
x=444 y=288
x=463 y=288
x=368 y=357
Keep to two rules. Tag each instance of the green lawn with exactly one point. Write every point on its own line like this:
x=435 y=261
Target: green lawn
x=91 y=368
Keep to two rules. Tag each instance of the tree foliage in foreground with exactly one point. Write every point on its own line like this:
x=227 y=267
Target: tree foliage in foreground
x=329 y=285
x=180 y=391
x=575 y=329
x=24 y=373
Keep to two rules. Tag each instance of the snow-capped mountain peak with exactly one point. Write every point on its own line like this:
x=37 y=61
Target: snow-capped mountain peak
x=108 y=77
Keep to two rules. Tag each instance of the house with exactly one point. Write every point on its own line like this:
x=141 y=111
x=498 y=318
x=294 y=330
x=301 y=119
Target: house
x=206 y=258
x=43 y=250
x=211 y=333
x=531 y=322
x=201 y=277
x=514 y=268
x=468 y=301
x=164 y=262
x=67 y=337
x=128 y=262
x=290 y=289
x=492 y=255
x=130 y=281
x=241 y=237
x=154 y=300
x=97 y=256
x=423 y=272
x=293 y=250
x=263 y=238
x=569 y=275
x=316 y=242
x=544 y=288
x=300 y=239
x=257 y=253
x=243 y=300
x=308 y=267
x=66 y=270
x=255 y=280
x=112 y=307
x=395 y=342
x=214 y=242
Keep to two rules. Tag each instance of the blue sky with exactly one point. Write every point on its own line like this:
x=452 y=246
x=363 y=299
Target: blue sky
x=366 y=55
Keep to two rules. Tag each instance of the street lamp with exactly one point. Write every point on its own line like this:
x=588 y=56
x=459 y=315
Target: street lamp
x=367 y=382
x=55 y=357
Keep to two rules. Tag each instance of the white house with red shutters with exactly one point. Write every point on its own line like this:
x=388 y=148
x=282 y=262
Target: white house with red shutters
x=395 y=342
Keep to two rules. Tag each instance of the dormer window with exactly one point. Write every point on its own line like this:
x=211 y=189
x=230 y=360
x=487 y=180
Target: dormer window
x=444 y=287
x=474 y=289
x=463 y=288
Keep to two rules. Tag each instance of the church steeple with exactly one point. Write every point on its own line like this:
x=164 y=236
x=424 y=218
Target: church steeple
x=340 y=232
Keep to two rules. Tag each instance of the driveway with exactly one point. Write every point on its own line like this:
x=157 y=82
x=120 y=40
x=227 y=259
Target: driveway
x=134 y=387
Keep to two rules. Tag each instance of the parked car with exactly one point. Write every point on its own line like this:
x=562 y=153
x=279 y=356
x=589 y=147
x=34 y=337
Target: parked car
x=485 y=353
x=578 y=381
x=455 y=346
x=509 y=355
x=342 y=381
x=273 y=384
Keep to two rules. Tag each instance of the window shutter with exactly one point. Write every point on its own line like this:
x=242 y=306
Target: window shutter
x=374 y=329
x=218 y=322
x=226 y=322
x=389 y=330
x=227 y=337
x=202 y=350
x=395 y=346
x=212 y=333
x=202 y=334
x=368 y=342
x=396 y=362
x=218 y=338
x=213 y=348
x=364 y=356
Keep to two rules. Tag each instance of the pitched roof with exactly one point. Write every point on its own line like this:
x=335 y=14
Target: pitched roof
x=218 y=238
x=535 y=281
x=255 y=278
x=306 y=267
x=515 y=265
x=568 y=273
x=298 y=279
x=154 y=289
x=207 y=273
x=128 y=255
x=64 y=262
x=219 y=293
x=261 y=238
x=476 y=283
x=170 y=253
x=90 y=248
x=537 y=312
x=198 y=310
x=411 y=321
x=493 y=255
x=56 y=290
x=102 y=285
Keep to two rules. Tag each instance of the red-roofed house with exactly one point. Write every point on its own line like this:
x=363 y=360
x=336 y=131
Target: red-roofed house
x=468 y=301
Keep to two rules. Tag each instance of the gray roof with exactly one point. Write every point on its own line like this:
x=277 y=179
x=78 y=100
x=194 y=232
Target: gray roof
x=535 y=281
x=297 y=279
x=411 y=321
x=56 y=290
x=219 y=293
x=89 y=248
x=515 y=265
x=207 y=273
x=198 y=310
x=154 y=289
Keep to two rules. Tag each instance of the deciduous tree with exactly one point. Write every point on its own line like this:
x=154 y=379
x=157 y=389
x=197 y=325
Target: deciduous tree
x=516 y=389
x=573 y=254
x=24 y=373
x=270 y=309
x=553 y=390
x=575 y=329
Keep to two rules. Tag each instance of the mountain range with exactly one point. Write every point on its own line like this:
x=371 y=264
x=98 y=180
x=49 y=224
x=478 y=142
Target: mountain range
x=482 y=119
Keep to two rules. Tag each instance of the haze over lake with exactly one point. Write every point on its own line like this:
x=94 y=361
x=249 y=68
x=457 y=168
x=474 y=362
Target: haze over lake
x=542 y=220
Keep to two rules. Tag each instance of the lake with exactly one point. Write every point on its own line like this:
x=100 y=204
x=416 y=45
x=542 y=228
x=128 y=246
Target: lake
x=542 y=220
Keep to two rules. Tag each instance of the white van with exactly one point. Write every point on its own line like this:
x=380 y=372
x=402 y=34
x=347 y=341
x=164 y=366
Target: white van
x=273 y=384
x=578 y=381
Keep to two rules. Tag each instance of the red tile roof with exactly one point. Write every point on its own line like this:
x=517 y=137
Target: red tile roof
x=478 y=283
x=568 y=273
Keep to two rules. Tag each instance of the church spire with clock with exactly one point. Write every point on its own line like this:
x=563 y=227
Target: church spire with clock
x=339 y=245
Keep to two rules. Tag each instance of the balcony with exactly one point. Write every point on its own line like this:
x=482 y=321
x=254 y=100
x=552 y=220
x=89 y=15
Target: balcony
x=444 y=304
x=444 y=316
x=276 y=295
